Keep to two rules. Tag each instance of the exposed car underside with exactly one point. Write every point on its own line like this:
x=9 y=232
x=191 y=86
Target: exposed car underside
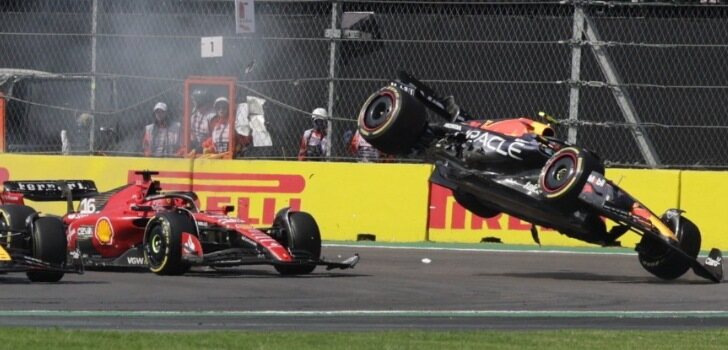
x=518 y=167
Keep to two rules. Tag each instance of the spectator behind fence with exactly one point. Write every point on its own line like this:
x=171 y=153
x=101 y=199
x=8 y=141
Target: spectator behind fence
x=218 y=144
x=78 y=139
x=202 y=114
x=315 y=143
x=162 y=137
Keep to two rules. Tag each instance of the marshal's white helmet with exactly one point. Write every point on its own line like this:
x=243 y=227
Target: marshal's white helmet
x=221 y=100
x=319 y=114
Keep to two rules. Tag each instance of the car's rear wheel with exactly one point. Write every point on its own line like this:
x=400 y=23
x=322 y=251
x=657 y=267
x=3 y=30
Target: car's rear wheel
x=13 y=217
x=392 y=120
x=163 y=243
x=48 y=241
x=663 y=261
x=566 y=172
x=300 y=234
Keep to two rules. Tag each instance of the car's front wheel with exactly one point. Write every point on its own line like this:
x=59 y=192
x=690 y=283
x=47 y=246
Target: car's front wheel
x=299 y=232
x=13 y=217
x=163 y=243
x=664 y=262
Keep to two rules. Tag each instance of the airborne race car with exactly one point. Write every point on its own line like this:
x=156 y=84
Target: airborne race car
x=518 y=167
x=137 y=225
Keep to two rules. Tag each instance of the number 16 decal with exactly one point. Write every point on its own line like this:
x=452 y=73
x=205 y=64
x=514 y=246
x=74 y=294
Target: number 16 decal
x=87 y=205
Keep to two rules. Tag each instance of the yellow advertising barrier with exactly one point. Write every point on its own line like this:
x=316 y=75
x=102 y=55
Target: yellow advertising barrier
x=386 y=200
x=450 y=222
x=390 y=201
x=704 y=197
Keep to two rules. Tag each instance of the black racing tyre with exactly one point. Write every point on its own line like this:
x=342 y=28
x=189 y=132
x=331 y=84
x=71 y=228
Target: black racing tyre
x=470 y=202
x=14 y=217
x=48 y=241
x=664 y=262
x=163 y=243
x=392 y=120
x=565 y=173
x=303 y=240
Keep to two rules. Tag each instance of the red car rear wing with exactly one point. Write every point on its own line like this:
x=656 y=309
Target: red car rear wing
x=51 y=190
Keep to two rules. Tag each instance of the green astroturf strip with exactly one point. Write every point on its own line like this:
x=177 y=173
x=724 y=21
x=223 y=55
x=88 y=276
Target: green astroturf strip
x=43 y=338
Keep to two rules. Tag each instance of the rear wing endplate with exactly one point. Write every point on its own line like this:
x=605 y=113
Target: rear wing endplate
x=52 y=190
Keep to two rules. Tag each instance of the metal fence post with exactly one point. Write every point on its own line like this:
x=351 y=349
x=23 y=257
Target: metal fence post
x=92 y=99
x=332 y=73
x=577 y=36
x=621 y=95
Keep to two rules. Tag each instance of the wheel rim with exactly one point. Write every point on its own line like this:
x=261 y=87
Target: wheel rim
x=156 y=244
x=560 y=173
x=378 y=112
x=156 y=247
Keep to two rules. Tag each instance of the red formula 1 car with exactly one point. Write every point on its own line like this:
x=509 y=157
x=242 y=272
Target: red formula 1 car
x=138 y=225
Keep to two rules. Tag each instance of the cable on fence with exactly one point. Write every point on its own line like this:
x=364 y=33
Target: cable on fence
x=245 y=85
x=567 y=122
x=171 y=88
x=95 y=112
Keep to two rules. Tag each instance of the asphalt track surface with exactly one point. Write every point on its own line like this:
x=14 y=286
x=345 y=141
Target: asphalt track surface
x=391 y=288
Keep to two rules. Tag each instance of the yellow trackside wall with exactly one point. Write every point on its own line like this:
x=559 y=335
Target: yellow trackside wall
x=387 y=200
x=704 y=197
x=392 y=201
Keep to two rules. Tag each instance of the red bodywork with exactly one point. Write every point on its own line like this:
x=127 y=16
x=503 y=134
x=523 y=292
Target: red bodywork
x=514 y=127
x=117 y=211
x=137 y=225
x=127 y=211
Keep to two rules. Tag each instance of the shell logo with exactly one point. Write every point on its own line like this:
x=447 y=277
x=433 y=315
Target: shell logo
x=104 y=231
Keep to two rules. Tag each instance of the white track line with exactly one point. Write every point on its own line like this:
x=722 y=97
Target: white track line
x=378 y=313
x=530 y=251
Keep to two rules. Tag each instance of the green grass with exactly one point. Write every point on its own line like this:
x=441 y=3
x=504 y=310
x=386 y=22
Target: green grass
x=40 y=338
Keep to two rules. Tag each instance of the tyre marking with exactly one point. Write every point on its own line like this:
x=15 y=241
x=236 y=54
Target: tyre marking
x=567 y=186
x=392 y=93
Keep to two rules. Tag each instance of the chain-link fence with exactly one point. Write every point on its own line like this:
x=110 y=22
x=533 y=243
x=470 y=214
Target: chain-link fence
x=641 y=83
